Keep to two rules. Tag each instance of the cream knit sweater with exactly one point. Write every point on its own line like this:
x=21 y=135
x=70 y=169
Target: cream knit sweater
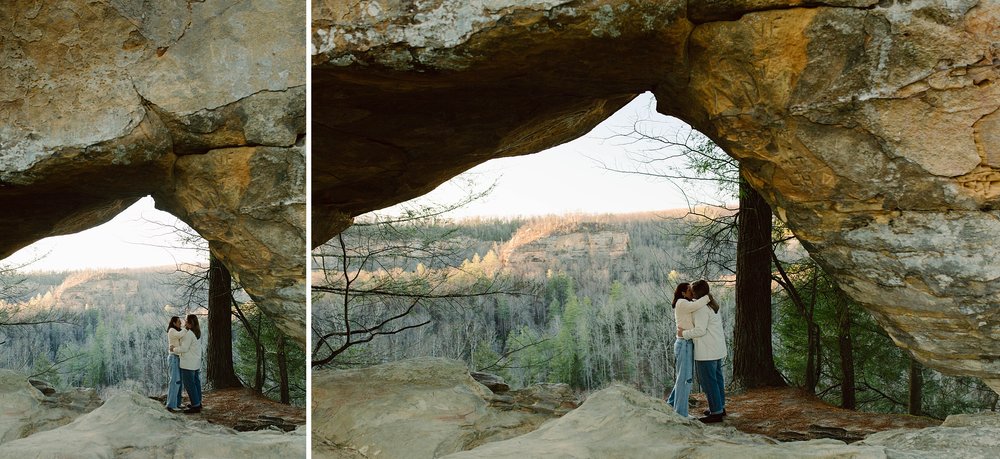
x=684 y=309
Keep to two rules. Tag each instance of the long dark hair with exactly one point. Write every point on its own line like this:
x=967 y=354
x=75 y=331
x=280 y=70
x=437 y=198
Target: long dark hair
x=700 y=289
x=679 y=293
x=174 y=320
x=193 y=321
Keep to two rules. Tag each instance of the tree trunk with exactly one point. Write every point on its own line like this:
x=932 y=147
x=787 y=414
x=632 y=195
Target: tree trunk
x=220 y=373
x=283 y=371
x=916 y=388
x=753 y=356
x=260 y=375
x=813 y=362
x=848 y=399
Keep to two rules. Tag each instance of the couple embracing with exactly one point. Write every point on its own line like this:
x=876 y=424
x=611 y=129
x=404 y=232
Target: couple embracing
x=184 y=363
x=701 y=345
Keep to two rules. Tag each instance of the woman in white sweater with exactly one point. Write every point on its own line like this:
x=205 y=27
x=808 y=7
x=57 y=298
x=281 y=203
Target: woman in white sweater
x=190 y=363
x=709 y=350
x=683 y=347
x=174 y=335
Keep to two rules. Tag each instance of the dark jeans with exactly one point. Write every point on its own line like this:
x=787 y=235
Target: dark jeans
x=712 y=383
x=192 y=385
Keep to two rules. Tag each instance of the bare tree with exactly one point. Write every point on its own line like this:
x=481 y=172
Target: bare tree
x=15 y=312
x=387 y=275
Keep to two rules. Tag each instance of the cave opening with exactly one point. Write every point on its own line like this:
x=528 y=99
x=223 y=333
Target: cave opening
x=90 y=309
x=585 y=219
x=571 y=251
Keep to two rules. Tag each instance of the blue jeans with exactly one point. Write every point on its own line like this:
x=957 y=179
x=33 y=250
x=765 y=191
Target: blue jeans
x=192 y=385
x=174 y=386
x=713 y=384
x=684 y=358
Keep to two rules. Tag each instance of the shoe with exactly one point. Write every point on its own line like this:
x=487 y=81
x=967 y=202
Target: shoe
x=193 y=410
x=709 y=412
x=174 y=410
x=711 y=419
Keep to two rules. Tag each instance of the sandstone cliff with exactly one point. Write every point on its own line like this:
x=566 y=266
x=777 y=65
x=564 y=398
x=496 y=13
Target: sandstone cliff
x=200 y=104
x=871 y=127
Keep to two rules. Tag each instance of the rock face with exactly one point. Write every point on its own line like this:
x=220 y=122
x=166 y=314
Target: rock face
x=871 y=127
x=103 y=103
x=424 y=407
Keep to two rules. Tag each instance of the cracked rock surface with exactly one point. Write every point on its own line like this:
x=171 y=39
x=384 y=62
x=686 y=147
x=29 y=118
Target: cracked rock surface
x=127 y=425
x=424 y=407
x=872 y=128
x=102 y=103
x=432 y=407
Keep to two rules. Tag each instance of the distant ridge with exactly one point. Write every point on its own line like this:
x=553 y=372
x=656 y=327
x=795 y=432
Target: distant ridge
x=602 y=217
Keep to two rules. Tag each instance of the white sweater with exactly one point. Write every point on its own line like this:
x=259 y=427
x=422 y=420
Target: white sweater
x=174 y=339
x=190 y=352
x=683 y=311
x=708 y=334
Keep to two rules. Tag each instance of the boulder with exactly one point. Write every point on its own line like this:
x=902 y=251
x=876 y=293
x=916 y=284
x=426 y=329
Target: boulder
x=129 y=425
x=425 y=407
x=493 y=382
x=24 y=410
x=872 y=128
x=106 y=102
x=545 y=398
x=42 y=386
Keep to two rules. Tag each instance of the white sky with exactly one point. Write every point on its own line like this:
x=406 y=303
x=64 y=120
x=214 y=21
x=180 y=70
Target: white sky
x=572 y=177
x=127 y=241
x=567 y=178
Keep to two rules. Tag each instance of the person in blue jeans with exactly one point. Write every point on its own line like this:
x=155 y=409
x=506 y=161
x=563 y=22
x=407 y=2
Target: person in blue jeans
x=190 y=363
x=684 y=309
x=709 y=350
x=174 y=335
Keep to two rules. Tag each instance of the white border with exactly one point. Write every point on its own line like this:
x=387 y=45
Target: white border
x=308 y=265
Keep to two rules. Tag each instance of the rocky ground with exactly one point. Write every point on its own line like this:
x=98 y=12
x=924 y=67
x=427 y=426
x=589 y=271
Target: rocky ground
x=434 y=408
x=244 y=410
x=129 y=425
x=790 y=414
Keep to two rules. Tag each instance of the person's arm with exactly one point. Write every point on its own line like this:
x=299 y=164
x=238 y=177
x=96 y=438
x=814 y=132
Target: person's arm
x=686 y=307
x=700 y=325
x=185 y=344
x=171 y=338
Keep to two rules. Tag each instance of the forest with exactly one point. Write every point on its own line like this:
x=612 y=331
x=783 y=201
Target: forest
x=106 y=329
x=585 y=300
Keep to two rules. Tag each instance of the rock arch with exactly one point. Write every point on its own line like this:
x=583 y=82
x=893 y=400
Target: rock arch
x=200 y=104
x=872 y=127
